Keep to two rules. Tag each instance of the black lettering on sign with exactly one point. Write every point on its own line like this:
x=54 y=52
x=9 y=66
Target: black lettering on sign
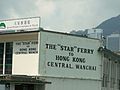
x=84 y=50
x=77 y=59
x=32 y=49
x=86 y=67
x=26 y=43
x=18 y=43
x=20 y=52
x=35 y=42
x=66 y=48
x=51 y=46
x=62 y=58
x=60 y=65
x=23 y=49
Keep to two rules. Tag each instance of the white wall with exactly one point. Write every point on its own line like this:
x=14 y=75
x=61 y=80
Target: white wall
x=24 y=64
x=49 y=65
x=72 y=84
x=26 y=56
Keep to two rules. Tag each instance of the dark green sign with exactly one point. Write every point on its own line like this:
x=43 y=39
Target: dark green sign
x=2 y=26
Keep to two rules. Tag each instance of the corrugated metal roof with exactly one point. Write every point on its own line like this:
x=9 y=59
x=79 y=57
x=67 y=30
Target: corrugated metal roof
x=109 y=54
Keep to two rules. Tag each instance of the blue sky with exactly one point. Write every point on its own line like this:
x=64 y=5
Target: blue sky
x=62 y=15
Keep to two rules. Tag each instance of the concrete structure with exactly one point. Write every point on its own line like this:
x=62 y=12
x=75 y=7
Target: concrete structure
x=113 y=42
x=95 y=33
x=37 y=59
x=50 y=57
x=111 y=70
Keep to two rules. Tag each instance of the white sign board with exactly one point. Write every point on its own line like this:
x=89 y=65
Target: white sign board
x=25 y=57
x=25 y=47
x=70 y=56
x=24 y=24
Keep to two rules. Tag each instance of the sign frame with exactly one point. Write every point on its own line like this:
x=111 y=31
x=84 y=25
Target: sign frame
x=20 y=24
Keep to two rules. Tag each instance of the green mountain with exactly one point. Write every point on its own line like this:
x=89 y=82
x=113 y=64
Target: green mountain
x=109 y=26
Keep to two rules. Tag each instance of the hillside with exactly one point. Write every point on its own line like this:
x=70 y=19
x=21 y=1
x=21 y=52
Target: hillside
x=109 y=26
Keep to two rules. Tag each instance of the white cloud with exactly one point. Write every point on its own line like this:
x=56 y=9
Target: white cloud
x=44 y=7
x=80 y=14
x=64 y=15
x=12 y=13
x=73 y=15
